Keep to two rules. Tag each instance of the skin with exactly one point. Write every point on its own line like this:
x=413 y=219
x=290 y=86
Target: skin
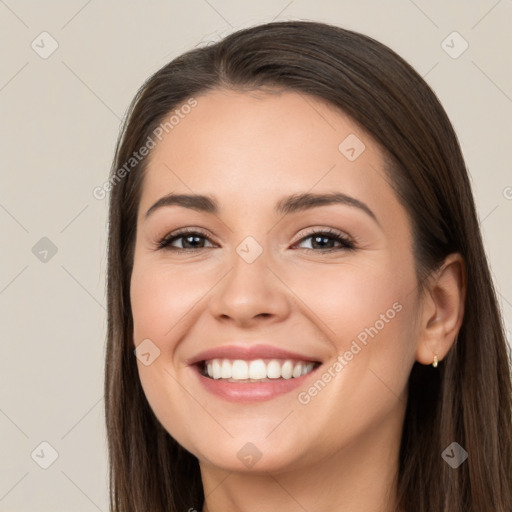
x=248 y=150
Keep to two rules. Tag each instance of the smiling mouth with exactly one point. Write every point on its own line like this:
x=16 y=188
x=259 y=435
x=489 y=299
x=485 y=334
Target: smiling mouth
x=256 y=370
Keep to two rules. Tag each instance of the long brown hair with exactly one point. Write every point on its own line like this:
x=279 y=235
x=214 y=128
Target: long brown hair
x=467 y=399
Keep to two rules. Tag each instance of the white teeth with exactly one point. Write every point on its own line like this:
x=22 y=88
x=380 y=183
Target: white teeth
x=239 y=370
x=216 y=369
x=287 y=370
x=274 y=369
x=258 y=369
x=297 y=370
x=225 y=370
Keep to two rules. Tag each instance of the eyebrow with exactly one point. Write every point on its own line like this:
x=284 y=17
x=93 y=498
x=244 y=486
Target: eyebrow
x=286 y=205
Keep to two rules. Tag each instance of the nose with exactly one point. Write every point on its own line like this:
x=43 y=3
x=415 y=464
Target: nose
x=249 y=294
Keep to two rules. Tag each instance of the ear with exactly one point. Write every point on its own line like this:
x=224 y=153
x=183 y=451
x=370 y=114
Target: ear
x=442 y=310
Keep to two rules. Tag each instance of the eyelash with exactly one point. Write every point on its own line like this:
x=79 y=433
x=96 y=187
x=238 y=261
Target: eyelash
x=347 y=244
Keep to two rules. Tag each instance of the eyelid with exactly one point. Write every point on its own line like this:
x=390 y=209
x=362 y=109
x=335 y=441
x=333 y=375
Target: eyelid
x=324 y=230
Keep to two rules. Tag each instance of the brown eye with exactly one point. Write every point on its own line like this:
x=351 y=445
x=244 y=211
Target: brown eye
x=325 y=240
x=191 y=240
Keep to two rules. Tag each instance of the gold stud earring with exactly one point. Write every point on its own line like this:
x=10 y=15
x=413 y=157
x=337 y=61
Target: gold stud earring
x=434 y=364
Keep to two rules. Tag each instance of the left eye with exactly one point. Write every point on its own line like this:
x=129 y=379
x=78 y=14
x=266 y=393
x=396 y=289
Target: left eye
x=319 y=239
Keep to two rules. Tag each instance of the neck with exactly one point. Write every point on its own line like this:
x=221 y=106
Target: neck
x=359 y=477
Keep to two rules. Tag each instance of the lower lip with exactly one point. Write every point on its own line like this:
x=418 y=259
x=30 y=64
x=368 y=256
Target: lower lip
x=251 y=391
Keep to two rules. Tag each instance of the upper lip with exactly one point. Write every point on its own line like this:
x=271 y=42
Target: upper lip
x=248 y=353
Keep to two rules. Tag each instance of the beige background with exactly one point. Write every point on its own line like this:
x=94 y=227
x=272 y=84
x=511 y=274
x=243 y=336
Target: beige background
x=59 y=119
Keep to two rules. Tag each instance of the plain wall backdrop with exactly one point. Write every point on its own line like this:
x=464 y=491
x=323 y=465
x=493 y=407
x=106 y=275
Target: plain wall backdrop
x=68 y=72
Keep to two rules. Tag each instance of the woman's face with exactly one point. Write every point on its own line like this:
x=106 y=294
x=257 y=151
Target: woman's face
x=271 y=276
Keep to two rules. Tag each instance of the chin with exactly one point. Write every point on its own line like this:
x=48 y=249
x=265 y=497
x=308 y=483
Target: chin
x=249 y=457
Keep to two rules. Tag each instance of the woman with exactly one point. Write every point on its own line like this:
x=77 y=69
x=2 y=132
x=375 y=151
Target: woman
x=300 y=310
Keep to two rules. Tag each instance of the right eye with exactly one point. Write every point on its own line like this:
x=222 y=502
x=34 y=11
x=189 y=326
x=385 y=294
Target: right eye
x=188 y=237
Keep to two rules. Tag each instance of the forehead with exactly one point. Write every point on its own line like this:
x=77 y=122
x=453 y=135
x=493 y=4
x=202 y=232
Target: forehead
x=250 y=148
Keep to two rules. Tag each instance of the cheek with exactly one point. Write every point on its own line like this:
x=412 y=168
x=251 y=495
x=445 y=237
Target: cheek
x=148 y=303
x=348 y=298
x=367 y=314
x=160 y=298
